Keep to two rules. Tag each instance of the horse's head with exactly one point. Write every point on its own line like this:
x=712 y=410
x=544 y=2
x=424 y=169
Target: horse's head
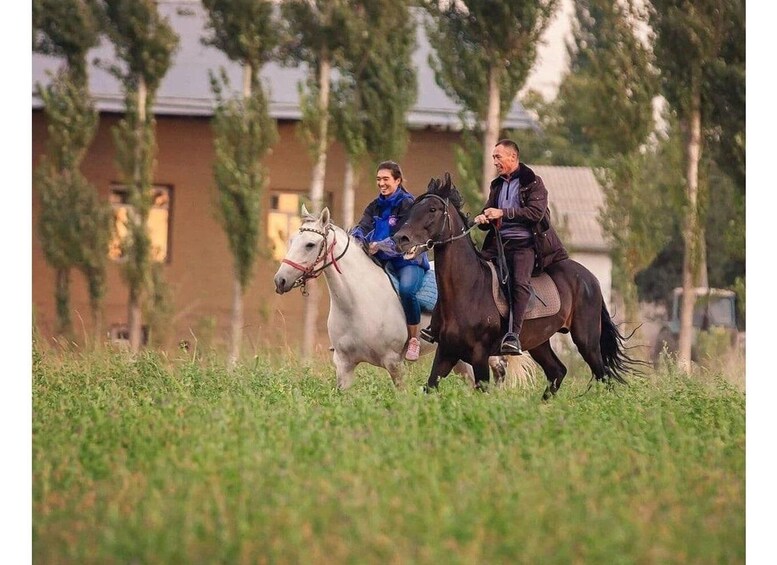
x=430 y=219
x=306 y=249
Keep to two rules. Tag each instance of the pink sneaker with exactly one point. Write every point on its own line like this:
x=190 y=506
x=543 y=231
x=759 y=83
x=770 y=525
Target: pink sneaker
x=413 y=349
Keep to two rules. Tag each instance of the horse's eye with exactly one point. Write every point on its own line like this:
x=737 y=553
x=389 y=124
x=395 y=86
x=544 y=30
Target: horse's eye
x=432 y=209
x=310 y=245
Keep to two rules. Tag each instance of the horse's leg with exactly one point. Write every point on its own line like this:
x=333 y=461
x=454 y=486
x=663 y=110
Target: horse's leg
x=465 y=370
x=586 y=334
x=554 y=369
x=498 y=368
x=396 y=369
x=482 y=374
x=441 y=366
x=344 y=368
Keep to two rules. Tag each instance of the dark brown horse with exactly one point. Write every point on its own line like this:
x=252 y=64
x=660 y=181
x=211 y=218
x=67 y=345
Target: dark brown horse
x=470 y=326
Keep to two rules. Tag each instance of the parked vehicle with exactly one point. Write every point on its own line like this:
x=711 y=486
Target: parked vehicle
x=714 y=310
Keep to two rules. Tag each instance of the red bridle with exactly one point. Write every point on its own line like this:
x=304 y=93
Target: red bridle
x=312 y=272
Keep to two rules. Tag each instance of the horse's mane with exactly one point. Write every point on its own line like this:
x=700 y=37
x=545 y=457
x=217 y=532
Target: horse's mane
x=448 y=191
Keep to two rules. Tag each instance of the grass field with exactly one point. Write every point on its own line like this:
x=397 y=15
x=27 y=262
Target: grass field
x=174 y=460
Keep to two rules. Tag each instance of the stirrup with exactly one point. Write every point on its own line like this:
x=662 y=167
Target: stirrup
x=510 y=345
x=427 y=335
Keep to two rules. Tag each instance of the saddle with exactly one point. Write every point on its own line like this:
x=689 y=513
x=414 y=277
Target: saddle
x=544 y=300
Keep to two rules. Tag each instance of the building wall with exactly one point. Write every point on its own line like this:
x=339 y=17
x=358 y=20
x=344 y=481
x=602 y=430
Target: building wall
x=601 y=266
x=199 y=270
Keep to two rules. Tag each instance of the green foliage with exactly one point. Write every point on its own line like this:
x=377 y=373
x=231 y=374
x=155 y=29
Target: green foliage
x=605 y=99
x=378 y=82
x=643 y=194
x=143 y=40
x=158 y=309
x=475 y=43
x=469 y=163
x=486 y=36
x=243 y=133
x=74 y=225
x=312 y=30
x=67 y=29
x=244 y=30
x=690 y=38
x=135 y=143
x=176 y=460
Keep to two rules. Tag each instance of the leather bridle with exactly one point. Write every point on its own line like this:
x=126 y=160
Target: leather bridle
x=313 y=271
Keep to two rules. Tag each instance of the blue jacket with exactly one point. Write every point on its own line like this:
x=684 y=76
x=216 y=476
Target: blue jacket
x=381 y=220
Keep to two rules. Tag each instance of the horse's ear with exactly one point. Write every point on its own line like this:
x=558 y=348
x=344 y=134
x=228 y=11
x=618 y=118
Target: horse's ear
x=304 y=211
x=447 y=181
x=430 y=186
x=325 y=216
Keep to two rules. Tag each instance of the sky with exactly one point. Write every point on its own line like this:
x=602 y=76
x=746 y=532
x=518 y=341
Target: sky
x=552 y=58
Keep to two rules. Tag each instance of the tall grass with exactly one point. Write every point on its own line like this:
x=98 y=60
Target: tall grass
x=175 y=460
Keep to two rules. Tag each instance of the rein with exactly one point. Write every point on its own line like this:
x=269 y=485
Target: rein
x=446 y=220
x=312 y=272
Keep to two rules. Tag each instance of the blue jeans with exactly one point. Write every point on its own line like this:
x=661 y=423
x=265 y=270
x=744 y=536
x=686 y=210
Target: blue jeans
x=411 y=277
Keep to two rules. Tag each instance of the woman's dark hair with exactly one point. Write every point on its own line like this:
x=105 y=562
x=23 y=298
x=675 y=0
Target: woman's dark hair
x=393 y=166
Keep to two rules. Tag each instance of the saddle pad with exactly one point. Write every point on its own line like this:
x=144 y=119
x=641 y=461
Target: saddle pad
x=544 y=301
x=427 y=295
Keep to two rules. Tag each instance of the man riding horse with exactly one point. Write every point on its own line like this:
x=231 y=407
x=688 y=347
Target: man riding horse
x=517 y=207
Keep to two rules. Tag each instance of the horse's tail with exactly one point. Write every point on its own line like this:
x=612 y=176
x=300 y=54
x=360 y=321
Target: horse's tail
x=611 y=342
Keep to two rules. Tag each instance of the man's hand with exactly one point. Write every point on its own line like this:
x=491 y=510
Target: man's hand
x=488 y=215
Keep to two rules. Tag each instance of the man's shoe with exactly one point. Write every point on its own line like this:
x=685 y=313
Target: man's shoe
x=510 y=345
x=413 y=349
x=427 y=335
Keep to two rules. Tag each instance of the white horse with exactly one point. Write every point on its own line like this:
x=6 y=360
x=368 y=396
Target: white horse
x=366 y=320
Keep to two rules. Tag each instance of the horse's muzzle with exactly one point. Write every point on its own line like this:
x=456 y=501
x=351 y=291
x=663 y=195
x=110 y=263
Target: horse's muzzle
x=282 y=284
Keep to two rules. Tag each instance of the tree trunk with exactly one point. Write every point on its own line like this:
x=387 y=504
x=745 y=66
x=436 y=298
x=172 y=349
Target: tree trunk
x=135 y=315
x=134 y=321
x=348 y=194
x=690 y=233
x=236 y=318
x=310 y=315
x=490 y=131
x=62 y=297
x=236 y=334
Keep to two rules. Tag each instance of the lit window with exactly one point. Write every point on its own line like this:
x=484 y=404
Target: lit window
x=158 y=221
x=283 y=221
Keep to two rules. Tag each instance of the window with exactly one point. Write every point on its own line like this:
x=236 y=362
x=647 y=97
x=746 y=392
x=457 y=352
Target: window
x=283 y=221
x=158 y=221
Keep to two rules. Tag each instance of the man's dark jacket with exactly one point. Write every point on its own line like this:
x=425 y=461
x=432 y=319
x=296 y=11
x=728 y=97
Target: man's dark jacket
x=533 y=214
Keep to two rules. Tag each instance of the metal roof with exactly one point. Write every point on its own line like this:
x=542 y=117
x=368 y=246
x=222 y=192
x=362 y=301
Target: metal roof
x=576 y=201
x=185 y=89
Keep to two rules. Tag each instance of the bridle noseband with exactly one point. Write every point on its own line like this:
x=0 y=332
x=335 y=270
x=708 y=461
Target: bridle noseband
x=312 y=272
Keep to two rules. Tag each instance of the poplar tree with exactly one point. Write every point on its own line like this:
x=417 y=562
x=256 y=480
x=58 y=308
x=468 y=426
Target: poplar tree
x=314 y=38
x=484 y=50
x=377 y=87
x=691 y=37
x=243 y=134
x=604 y=110
x=144 y=43
x=74 y=224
